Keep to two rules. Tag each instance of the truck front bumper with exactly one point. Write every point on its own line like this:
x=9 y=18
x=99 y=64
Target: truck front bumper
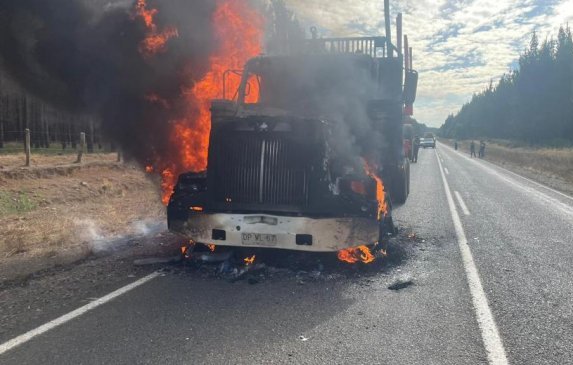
x=271 y=231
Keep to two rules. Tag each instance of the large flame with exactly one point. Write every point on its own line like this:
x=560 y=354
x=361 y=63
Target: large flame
x=155 y=40
x=238 y=32
x=371 y=171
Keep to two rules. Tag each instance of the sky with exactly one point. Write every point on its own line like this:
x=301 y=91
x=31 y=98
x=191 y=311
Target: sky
x=459 y=46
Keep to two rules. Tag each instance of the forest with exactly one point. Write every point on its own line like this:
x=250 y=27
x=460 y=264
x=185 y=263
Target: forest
x=532 y=104
x=49 y=127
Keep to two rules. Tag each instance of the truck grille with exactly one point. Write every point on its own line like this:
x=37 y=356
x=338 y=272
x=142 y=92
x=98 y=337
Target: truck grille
x=258 y=168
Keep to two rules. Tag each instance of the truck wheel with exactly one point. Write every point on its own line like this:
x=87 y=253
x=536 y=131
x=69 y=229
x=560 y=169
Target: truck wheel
x=386 y=229
x=408 y=180
x=400 y=187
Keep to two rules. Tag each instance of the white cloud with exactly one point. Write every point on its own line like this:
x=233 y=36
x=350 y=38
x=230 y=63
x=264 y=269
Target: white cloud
x=459 y=45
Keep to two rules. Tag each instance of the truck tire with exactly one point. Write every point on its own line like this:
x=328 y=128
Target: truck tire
x=408 y=180
x=386 y=229
x=400 y=186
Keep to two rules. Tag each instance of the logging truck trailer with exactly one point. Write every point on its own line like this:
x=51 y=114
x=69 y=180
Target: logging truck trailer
x=279 y=172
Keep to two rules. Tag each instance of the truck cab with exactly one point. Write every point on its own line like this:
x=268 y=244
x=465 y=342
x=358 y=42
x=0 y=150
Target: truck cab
x=306 y=154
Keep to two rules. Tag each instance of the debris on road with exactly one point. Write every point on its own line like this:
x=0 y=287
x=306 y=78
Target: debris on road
x=400 y=284
x=255 y=266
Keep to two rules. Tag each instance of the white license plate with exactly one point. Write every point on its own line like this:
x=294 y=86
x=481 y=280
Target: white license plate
x=259 y=239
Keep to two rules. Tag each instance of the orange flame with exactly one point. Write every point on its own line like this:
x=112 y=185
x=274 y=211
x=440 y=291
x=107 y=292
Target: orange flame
x=354 y=254
x=186 y=248
x=145 y=14
x=250 y=260
x=155 y=40
x=380 y=193
x=167 y=185
x=238 y=31
x=149 y=169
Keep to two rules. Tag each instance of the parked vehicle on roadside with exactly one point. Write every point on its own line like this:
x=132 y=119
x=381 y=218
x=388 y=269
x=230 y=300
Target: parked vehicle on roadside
x=429 y=141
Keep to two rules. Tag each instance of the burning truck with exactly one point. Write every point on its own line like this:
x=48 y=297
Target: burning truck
x=307 y=153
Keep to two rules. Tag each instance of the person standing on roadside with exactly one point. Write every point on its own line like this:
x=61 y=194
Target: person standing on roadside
x=473 y=149
x=416 y=148
x=456 y=145
x=481 y=149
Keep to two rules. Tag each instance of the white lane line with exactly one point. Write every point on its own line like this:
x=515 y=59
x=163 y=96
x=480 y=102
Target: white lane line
x=446 y=170
x=555 y=203
x=74 y=314
x=489 y=332
x=462 y=203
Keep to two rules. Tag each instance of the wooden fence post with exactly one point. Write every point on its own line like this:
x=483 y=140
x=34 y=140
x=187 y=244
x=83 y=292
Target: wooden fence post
x=82 y=146
x=27 y=146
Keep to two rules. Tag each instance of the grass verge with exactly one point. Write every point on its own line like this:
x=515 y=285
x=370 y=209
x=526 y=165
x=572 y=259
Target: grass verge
x=552 y=166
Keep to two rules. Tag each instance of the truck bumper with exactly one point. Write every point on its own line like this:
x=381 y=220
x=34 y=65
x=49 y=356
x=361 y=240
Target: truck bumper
x=271 y=231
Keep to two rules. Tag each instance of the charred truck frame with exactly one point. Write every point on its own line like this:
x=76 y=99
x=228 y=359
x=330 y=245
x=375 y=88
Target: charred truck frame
x=286 y=167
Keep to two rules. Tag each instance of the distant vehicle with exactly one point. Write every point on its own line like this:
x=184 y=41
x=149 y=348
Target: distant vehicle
x=428 y=141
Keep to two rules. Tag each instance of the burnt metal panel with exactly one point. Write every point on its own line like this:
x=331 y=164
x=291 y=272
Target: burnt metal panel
x=253 y=168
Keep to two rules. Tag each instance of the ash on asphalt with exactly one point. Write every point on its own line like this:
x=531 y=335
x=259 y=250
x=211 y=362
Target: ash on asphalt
x=273 y=264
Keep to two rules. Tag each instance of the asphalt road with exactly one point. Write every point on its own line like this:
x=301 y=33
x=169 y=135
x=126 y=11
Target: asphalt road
x=509 y=301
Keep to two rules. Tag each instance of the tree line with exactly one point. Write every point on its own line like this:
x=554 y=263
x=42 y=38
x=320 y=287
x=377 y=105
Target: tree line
x=533 y=104
x=48 y=125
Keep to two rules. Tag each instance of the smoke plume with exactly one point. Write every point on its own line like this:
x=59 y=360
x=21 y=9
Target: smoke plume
x=107 y=59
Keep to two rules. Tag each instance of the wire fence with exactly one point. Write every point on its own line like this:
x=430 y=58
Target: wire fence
x=28 y=143
x=41 y=142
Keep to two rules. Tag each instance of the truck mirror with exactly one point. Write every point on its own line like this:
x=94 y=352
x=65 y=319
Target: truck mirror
x=410 y=86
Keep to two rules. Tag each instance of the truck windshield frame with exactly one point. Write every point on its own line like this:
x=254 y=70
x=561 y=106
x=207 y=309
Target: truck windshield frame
x=311 y=86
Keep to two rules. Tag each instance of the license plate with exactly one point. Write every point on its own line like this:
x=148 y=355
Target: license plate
x=259 y=239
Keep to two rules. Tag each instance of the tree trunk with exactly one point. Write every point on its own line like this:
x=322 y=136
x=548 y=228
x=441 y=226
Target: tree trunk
x=92 y=135
x=1 y=133
x=3 y=114
x=46 y=122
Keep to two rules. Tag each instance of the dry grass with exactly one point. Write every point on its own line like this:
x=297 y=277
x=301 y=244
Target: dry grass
x=550 y=162
x=13 y=161
x=47 y=215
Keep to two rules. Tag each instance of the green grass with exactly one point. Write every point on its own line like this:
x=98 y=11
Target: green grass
x=15 y=203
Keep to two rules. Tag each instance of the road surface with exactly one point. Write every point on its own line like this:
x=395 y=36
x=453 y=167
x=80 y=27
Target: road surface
x=490 y=259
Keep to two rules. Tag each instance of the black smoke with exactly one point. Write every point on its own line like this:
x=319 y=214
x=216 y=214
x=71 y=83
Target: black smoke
x=83 y=56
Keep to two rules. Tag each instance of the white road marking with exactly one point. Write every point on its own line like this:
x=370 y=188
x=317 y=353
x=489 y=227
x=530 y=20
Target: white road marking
x=462 y=203
x=489 y=332
x=74 y=314
x=523 y=177
x=446 y=170
x=555 y=203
